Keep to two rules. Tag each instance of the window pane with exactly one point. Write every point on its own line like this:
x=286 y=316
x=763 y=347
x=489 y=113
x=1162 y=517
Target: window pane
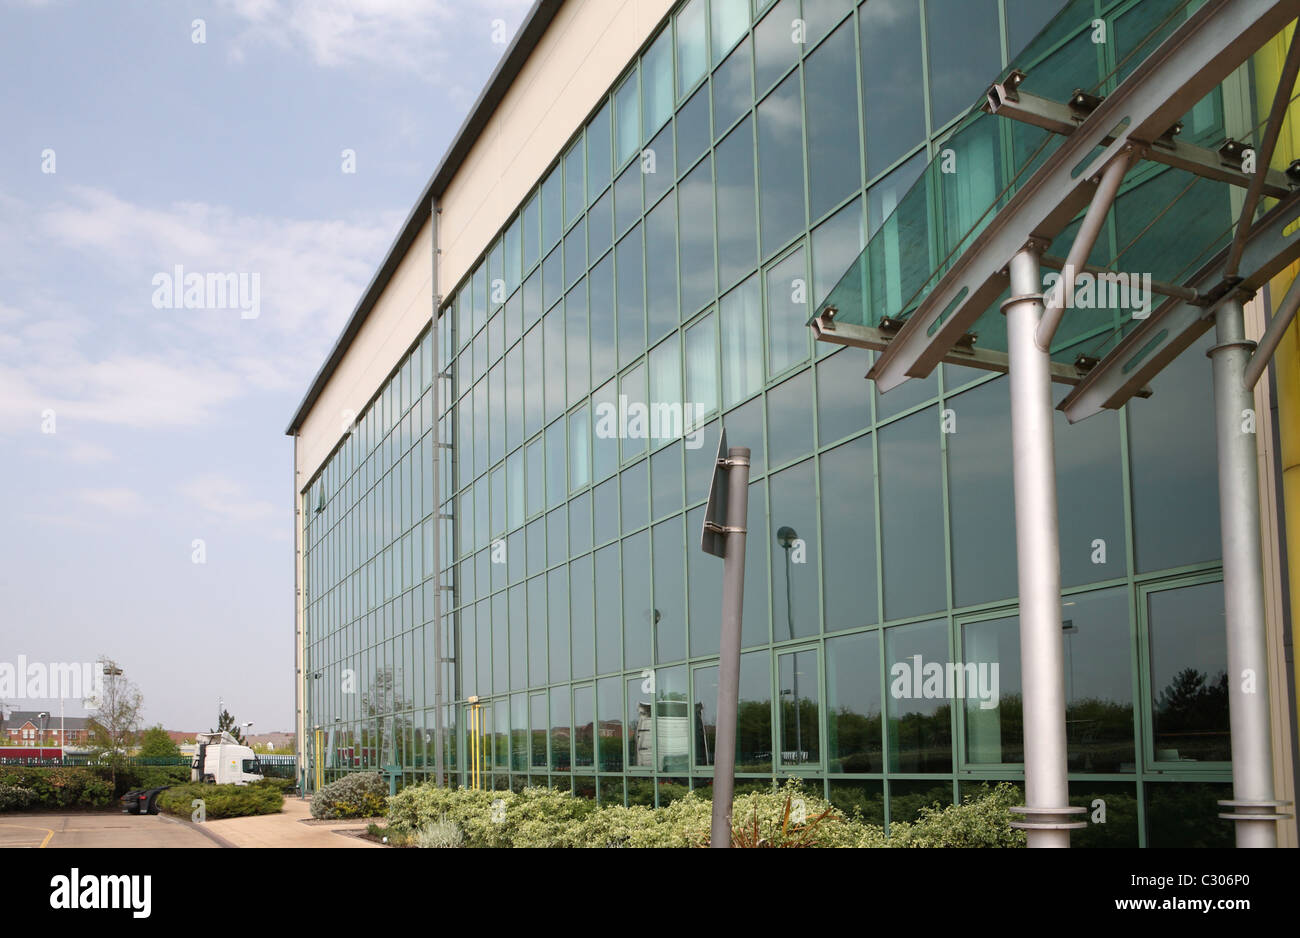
x=575 y=186
x=849 y=536
x=640 y=724
x=920 y=729
x=964 y=54
x=657 y=83
x=991 y=698
x=598 y=150
x=730 y=20
x=776 y=45
x=554 y=386
x=657 y=172
x=911 y=516
x=834 y=166
x=632 y=386
x=980 y=497
x=579 y=449
x=631 y=299
x=741 y=321
x=800 y=722
x=692 y=129
x=780 y=165
x=843 y=406
x=600 y=226
x=737 y=244
x=1189 y=679
x=661 y=268
x=575 y=254
x=636 y=601
x=836 y=244
x=701 y=366
x=753 y=714
x=1089 y=497
x=672 y=721
x=787 y=311
x=795 y=580
x=891 y=58
x=560 y=731
x=692 y=51
x=609 y=712
x=583 y=617
x=666 y=481
x=853 y=703
x=635 y=508
x=605 y=432
x=603 y=344
x=537 y=630
x=696 y=250
x=1174 y=516
x=533 y=380
x=532 y=232
x=733 y=90
x=557 y=602
x=556 y=481
x=580 y=523
x=790 y=419
x=575 y=332
x=665 y=392
x=536 y=477
x=584 y=720
x=627 y=120
x=552 y=210
x=669 y=591
x=609 y=612
x=1098 y=681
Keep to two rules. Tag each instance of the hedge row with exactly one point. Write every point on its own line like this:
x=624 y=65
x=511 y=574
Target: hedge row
x=788 y=817
x=222 y=801
x=52 y=788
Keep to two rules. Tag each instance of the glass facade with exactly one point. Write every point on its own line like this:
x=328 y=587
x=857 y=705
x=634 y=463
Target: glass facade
x=653 y=288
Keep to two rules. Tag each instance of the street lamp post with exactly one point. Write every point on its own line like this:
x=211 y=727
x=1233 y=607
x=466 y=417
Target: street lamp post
x=786 y=536
x=40 y=737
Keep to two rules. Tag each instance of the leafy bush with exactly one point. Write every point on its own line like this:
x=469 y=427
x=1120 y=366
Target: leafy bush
x=221 y=801
x=358 y=794
x=279 y=784
x=789 y=816
x=59 y=787
x=441 y=833
x=13 y=798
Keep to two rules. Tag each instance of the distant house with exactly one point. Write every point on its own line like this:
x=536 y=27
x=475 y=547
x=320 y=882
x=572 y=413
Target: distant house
x=280 y=741
x=40 y=728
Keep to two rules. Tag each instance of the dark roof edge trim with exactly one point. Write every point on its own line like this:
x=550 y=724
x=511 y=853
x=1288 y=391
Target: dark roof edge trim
x=512 y=62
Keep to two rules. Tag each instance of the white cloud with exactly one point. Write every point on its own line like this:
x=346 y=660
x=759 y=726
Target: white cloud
x=114 y=359
x=120 y=501
x=405 y=35
x=224 y=501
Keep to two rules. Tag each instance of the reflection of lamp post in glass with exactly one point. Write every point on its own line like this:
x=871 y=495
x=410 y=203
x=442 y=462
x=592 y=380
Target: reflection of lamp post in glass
x=786 y=536
x=40 y=740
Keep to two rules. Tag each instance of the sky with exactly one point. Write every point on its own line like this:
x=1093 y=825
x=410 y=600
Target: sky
x=140 y=433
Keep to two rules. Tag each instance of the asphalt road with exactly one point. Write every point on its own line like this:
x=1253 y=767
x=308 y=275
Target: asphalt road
x=97 y=830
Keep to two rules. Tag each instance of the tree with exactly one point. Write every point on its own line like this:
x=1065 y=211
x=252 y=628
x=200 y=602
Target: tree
x=227 y=722
x=116 y=710
x=156 y=744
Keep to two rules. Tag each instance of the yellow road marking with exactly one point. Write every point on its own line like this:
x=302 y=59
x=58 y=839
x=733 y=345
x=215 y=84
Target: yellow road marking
x=49 y=834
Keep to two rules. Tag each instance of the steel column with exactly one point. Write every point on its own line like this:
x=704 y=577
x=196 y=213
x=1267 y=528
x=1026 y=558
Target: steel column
x=733 y=599
x=1038 y=562
x=1243 y=585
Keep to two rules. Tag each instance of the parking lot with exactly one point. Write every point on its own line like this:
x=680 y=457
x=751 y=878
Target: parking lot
x=97 y=830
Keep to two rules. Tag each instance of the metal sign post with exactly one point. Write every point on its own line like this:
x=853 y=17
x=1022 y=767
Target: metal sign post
x=724 y=536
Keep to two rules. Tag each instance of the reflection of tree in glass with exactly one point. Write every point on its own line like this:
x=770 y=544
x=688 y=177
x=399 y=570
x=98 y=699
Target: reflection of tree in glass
x=381 y=705
x=1191 y=716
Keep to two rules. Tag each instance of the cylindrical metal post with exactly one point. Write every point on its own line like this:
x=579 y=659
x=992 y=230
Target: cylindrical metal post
x=733 y=597
x=1038 y=562
x=1243 y=587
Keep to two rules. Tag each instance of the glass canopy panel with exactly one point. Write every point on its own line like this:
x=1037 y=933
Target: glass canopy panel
x=1165 y=224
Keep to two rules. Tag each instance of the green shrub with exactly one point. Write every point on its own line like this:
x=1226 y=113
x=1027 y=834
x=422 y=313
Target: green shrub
x=59 y=786
x=788 y=816
x=13 y=798
x=221 y=801
x=358 y=794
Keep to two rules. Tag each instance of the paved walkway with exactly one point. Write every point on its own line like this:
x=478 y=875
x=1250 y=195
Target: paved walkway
x=286 y=829
x=98 y=830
